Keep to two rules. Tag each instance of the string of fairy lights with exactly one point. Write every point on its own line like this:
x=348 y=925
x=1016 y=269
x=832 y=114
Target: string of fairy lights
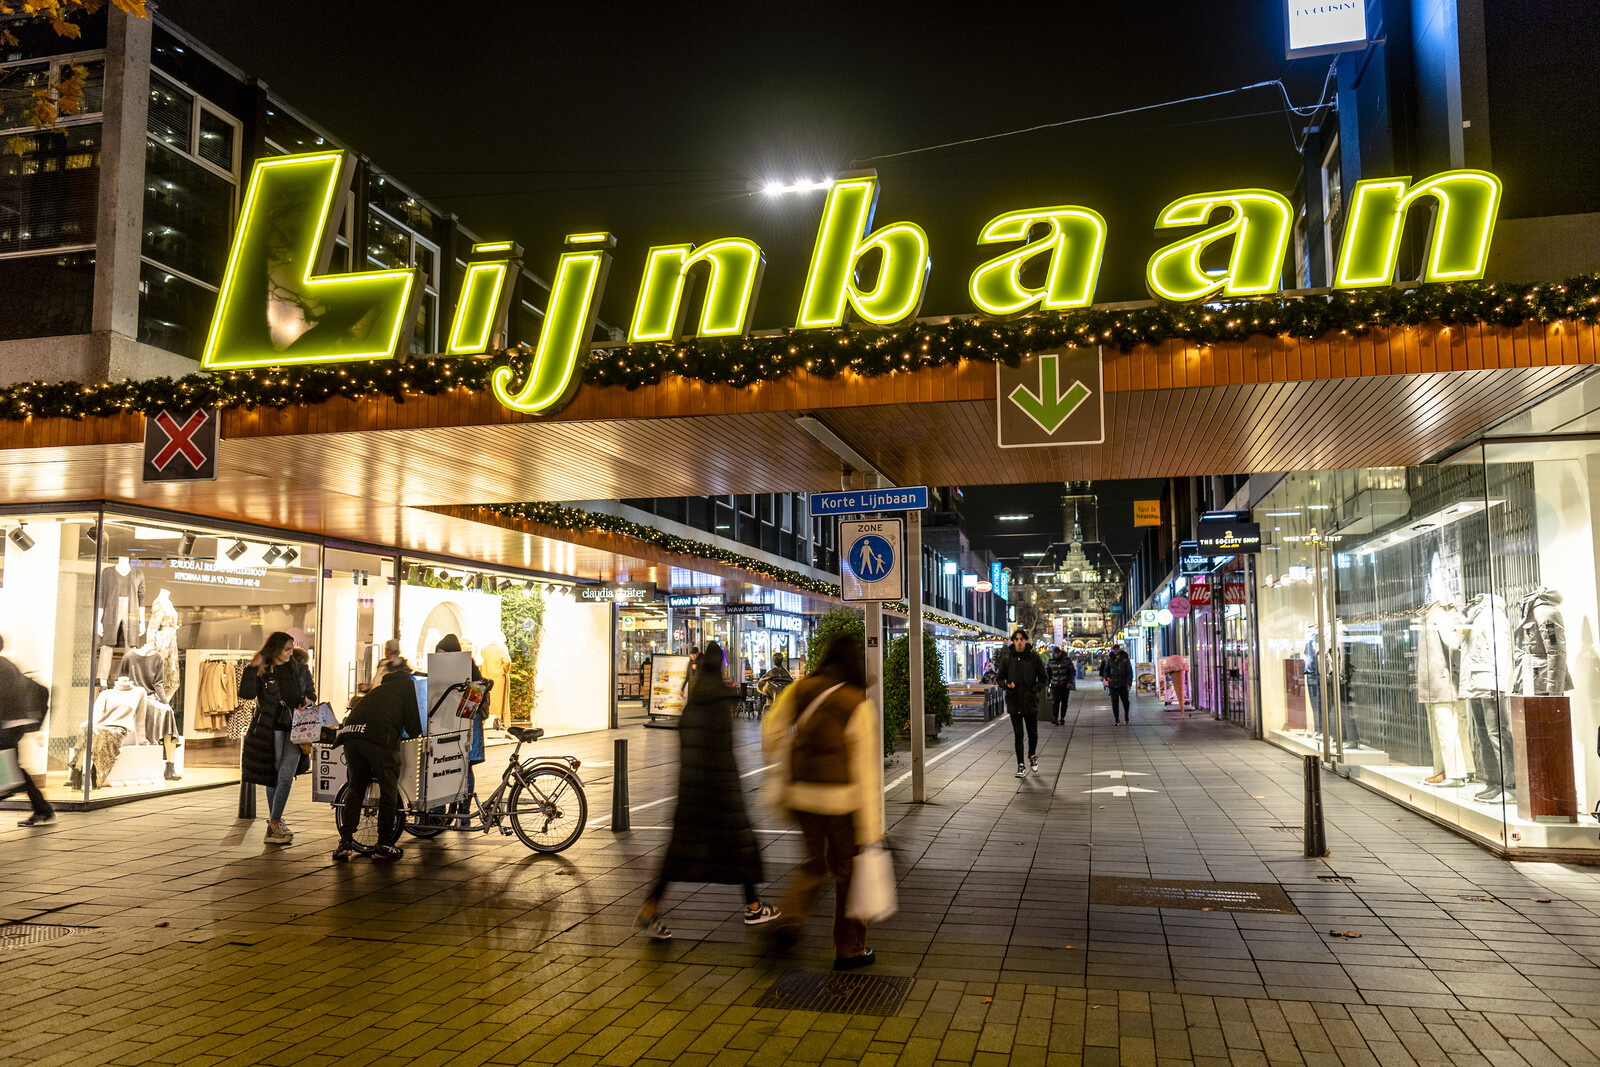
x=867 y=352
x=577 y=520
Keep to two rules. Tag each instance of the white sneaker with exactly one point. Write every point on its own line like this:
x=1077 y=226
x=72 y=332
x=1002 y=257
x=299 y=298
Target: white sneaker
x=764 y=914
x=1033 y=765
x=279 y=835
x=1022 y=770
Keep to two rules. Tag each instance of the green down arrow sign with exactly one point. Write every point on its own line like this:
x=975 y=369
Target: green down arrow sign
x=1050 y=407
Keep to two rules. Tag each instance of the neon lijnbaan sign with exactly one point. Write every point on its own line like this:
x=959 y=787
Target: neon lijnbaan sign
x=279 y=305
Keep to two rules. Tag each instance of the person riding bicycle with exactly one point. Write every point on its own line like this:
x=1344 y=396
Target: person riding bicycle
x=371 y=738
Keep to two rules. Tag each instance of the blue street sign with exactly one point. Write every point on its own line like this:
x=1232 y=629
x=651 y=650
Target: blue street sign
x=871 y=558
x=995 y=576
x=867 y=501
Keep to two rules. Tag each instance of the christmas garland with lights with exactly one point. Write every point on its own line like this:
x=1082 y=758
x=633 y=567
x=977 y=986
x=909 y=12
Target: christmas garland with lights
x=576 y=520
x=826 y=353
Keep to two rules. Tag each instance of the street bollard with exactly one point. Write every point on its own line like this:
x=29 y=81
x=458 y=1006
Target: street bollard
x=619 y=787
x=247 y=800
x=1316 y=838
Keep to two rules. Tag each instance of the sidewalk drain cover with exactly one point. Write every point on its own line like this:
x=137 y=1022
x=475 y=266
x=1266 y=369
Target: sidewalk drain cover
x=846 y=994
x=1334 y=878
x=1191 y=896
x=18 y=934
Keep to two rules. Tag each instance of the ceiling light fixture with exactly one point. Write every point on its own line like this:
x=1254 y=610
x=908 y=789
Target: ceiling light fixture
x=20 y=538
x=187 y=548
x=272 y=553
x=239 y=548
x=290 y=556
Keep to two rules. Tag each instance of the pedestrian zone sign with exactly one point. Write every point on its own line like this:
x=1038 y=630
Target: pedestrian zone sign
x=871 y=560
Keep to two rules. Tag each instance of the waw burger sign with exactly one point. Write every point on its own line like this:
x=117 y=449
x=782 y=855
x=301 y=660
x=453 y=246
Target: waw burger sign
x=280 y=306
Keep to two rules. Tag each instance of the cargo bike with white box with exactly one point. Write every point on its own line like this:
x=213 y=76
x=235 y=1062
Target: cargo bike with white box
x=540 y=798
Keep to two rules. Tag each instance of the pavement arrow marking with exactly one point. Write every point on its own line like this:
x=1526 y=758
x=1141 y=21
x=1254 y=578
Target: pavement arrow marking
x=1116 y=774
x=1050 y=407
x=1121 y=790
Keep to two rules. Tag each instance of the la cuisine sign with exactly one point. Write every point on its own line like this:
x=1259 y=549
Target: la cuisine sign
x=279 y=305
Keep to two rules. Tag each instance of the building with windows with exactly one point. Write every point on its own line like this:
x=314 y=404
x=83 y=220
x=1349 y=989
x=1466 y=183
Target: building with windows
x=115 y=227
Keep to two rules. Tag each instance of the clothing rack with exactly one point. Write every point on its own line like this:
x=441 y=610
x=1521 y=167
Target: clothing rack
x=194 y=661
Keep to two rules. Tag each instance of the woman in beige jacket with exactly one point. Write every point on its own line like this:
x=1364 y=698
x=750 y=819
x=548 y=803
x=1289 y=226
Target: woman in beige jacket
x=823 y=734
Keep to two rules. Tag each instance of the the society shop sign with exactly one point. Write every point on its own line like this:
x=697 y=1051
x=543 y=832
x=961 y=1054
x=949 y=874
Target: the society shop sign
x=617 y=593
x=280 y=305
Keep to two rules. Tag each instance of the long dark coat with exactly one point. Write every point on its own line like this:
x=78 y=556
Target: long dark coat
x=258 y=760
x=712 y=840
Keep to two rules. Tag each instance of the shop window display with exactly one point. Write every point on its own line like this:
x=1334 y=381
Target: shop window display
x=548 y=655
x=138 y=628
x=1455 y=666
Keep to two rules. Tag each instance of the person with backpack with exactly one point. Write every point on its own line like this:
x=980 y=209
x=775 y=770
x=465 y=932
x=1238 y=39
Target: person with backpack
x=23 y=704
x=1023 y=675
x=371 y=737
x=823 y=734
x=1063 y=679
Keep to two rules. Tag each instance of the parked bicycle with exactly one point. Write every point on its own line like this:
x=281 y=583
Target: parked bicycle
x=540 y=799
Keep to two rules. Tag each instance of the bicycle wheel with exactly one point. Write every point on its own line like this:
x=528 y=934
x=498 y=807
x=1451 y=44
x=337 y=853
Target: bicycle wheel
x=365 y=832
x=425 y=826
x=548 y=813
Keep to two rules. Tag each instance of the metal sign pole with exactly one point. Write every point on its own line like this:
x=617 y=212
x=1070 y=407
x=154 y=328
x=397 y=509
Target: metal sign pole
x=1322 y=650
x=913 y=565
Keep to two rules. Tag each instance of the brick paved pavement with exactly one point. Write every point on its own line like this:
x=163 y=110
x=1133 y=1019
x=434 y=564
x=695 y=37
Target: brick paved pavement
x=207 y=947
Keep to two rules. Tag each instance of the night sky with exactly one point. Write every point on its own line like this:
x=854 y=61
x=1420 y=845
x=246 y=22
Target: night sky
x=534 y=121
x=649 y=120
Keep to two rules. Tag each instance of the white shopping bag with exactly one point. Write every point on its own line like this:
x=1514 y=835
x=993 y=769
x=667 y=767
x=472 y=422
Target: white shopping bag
x=10 y=771
x=872 y=886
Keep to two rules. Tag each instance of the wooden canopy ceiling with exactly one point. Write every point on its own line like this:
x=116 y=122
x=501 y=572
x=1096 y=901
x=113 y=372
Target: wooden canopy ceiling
x=371 y=470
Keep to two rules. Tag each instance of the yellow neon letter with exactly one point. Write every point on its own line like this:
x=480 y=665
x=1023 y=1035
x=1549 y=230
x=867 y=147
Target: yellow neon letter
x=1259 y=227
x=842 y=240
x=484 y=303
x=736 y=268
x=277 y=304
x=568 y=327
x=1458 y=248
x=1075 y=244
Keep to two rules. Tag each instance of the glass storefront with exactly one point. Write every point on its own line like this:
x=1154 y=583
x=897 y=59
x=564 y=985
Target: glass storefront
x=1453 y=662
x=138 y=627
x=140 y=622
x=548 y=653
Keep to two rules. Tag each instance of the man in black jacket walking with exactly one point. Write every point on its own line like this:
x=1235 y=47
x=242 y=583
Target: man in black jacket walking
x=1024 y=677
x=1119 y=677
x=371 y=738
x=1063 y=678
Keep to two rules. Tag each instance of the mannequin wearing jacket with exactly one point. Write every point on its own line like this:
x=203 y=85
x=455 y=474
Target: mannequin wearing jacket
x=1439 y=632
x=1312 y=661
x=1539 y=662
x=1485 y=679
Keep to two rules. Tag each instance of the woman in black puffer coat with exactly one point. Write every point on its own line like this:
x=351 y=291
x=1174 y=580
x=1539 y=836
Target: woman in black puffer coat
x=712 y=840
x=278 y=685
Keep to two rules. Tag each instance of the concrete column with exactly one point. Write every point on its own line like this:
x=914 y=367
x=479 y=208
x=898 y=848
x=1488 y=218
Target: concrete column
x=121 y=208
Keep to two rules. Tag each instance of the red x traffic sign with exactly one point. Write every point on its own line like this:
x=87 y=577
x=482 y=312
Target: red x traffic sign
x=180 y=446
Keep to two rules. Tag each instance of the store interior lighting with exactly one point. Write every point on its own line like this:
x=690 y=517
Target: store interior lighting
x=528 y=585
x=290 y=556
x=20 y=538
x=239 y=548
x=186 y=549
x=92 y=532
x=1417 y=527
x=271 y=554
